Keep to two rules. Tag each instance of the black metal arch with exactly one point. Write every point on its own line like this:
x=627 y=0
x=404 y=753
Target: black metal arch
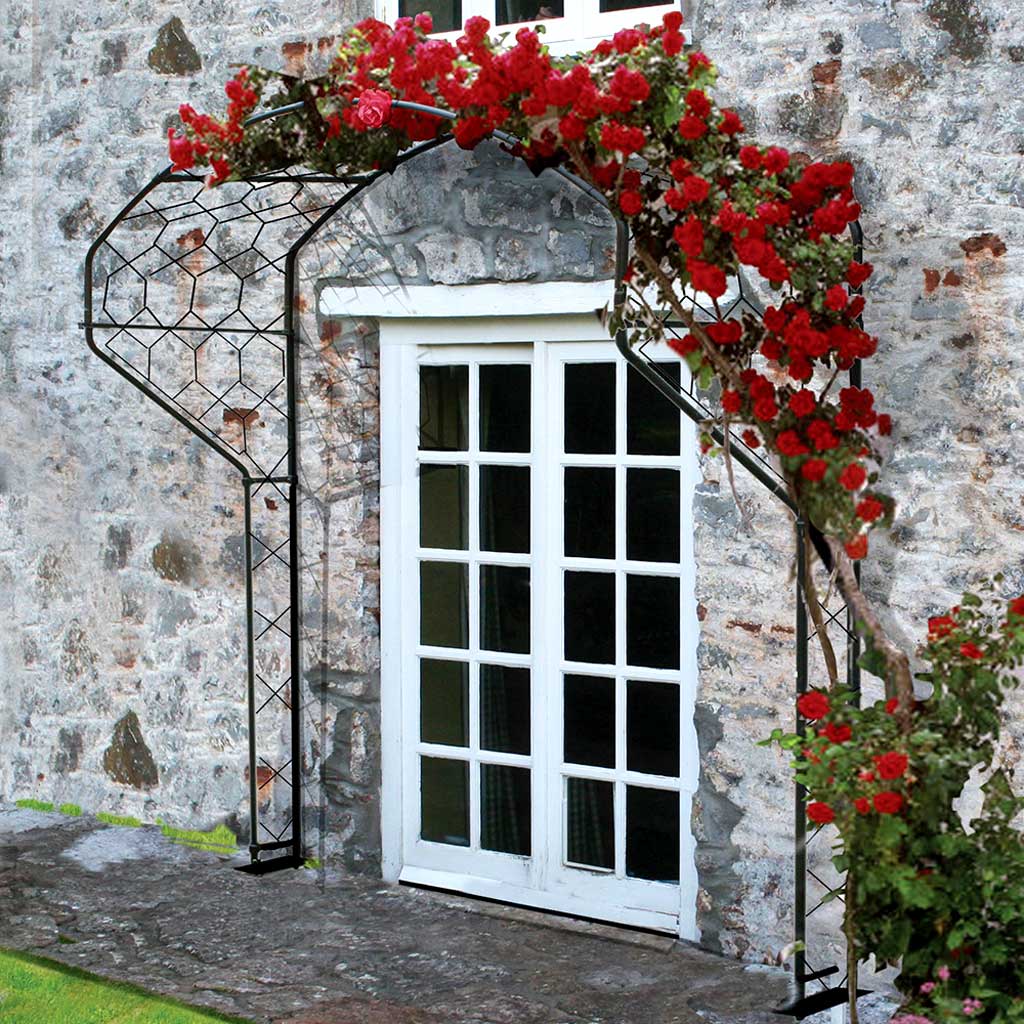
x=230 y=377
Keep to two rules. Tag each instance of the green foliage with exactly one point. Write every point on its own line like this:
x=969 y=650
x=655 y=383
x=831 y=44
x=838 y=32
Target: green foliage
x=939 y=896
x=71 y=810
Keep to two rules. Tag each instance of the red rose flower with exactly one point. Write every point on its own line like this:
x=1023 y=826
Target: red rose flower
x=836 y=298
x=1017 y=606
x=730 y=123
x=970 y=650
x=885 y=424
x=891 y=765
x=707 y=278
x=862 y=805
x=888 y=802
x=870 y=509
x=695 y=189
x=692 y=127
x=866 y=776
x=690 y=237
x=750 y=157
x=857 y=548
x=697 y=102
x=940 y=625
x=820 y=813
x=838 y=733
x=858 y=273
x=373 y=108
x=776 y=160
x=814 y=469
x=732 y=401
x=750 y=439
x=765 y=409
x=424 y=22
x=181 y=152
x=813 y=705
x=672 y=21
x=853 y=477
x=891 y=705
x=631 y=203
x=802 y=402
x=790 y=445
x=571 y=128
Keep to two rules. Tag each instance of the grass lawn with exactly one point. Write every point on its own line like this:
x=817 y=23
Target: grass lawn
x=38 y=991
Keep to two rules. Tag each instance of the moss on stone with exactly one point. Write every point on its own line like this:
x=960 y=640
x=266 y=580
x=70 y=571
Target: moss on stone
x=218 y=840
x=33 y=805
x=71 y=810
x=116 y=819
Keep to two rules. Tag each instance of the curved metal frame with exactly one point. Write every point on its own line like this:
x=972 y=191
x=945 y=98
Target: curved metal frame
x=286 y=484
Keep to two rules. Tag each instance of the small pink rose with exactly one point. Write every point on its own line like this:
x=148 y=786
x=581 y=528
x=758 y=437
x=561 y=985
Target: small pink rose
x=373 y=108
x=943 y=973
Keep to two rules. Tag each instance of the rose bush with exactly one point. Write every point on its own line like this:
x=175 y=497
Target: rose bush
x=636 y=118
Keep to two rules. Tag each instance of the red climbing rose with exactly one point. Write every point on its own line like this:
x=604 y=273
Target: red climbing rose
x=891 y=765
x=820 y=813
x=813 y=705
x=888 y=802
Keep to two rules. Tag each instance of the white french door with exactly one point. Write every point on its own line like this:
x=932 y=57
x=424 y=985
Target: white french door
x=538 y=629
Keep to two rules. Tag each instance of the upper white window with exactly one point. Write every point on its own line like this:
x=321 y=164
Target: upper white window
x=568 y=24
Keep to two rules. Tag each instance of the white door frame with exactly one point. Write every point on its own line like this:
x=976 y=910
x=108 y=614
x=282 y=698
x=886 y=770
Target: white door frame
x=475 y=315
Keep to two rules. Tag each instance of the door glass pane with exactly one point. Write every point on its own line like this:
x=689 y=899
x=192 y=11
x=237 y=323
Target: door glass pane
x=447 y=14
x=511 y=11
x=625 y=5
x=444 y=405
x=505 y=408
x=444 y=702
x=590 y=617
x=505 y=709
x=505 y=508
x=505 y=608
x=652 y=515
x=590 y=512
x=589 y=721
x=652 y=834
x=444 y=800
x=590 y=407
x=444 y=604
x=652 y=727
x=505 y=809
x=652 y=621
x=590 y=823
x=444 y=506
x=652 y=421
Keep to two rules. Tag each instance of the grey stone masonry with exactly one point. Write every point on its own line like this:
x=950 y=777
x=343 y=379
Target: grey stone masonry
x=121 y=656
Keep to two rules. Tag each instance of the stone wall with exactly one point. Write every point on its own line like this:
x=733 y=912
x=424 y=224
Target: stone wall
x=119 y=535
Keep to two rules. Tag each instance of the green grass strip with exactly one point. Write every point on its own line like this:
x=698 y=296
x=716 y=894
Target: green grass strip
x=34 y=990
x=218 y=840
x=33 y=805
x=115 y=819
x=72 y=810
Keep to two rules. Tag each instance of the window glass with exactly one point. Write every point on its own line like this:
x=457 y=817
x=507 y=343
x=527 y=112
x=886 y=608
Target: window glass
x=505 y=608
x=652 y=621
x=444 y=407
x=590 y=617
x=510 y=11
x=652 y=421
x=589 y=721
x=444 y=507
x=505 y=508
x=590 y=823
x=444 y=800
x=505 y=809
x=505 y=709
x=590 y=408
x=652 y=727
x=504 y=408
x=652 y=834
x=590 y=512
x=444 y=604
x=444 y=702
x=447 y=14
x=652 y=515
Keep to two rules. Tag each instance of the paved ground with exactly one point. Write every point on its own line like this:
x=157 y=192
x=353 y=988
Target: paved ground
x=128 y=904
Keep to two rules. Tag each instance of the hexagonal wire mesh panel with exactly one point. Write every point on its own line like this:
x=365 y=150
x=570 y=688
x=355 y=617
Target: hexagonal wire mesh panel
x=191 y=296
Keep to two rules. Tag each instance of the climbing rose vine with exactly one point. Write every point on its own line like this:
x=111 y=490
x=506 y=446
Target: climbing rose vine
x=636 y=119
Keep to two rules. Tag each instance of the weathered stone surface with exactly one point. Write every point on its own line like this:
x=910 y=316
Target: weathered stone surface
x=93 y=479
x=173 y=53
x=128 y=760
x=307 y=947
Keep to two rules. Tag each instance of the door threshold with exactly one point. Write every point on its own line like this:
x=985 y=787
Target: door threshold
x=646 y=928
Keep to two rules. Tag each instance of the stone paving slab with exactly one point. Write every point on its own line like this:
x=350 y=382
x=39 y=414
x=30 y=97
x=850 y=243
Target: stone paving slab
x=303 y=947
